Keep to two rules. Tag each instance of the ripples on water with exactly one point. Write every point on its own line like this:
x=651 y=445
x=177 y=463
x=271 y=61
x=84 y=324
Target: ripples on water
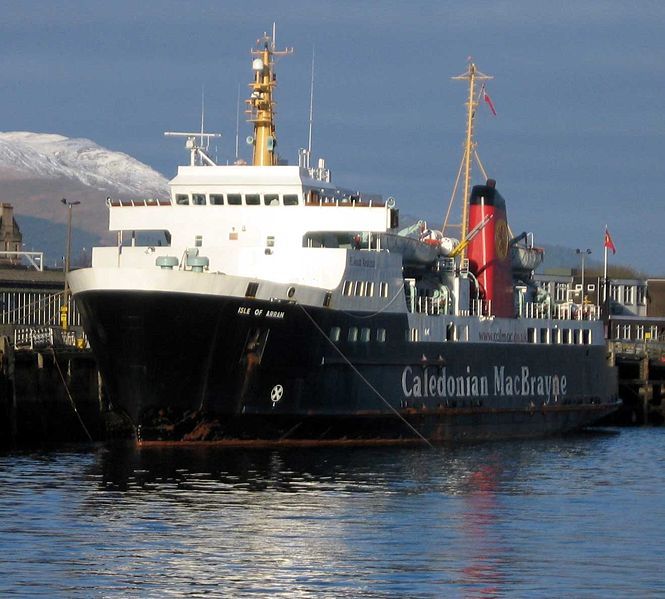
x=580 y=516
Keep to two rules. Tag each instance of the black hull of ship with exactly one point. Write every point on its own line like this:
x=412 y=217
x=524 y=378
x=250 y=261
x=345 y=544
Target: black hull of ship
x=199 y=367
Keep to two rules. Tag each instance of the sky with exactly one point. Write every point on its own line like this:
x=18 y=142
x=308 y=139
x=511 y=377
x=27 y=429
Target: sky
x=578 y=141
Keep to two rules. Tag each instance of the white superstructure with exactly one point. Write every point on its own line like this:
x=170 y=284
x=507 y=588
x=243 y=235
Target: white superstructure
x=261 y=221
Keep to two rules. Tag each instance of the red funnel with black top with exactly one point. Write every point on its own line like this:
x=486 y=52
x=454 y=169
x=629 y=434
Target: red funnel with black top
x=489 y=252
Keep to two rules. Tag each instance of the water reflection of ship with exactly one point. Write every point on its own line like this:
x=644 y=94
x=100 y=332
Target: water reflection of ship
x=445 y=514
x=484 y=575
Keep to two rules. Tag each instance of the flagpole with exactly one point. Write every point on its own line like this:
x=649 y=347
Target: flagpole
x=605 y=267
x=605 y=278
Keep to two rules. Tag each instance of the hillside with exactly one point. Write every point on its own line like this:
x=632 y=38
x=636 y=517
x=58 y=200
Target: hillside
x=37 y=170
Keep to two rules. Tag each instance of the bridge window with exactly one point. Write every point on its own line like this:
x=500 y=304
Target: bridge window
x=335 y=333
x=182 y=199
x=353 y=334
x=252 y=199
x=198 y=199
x=364 y=335
x=381 y=335
x=234 y=199
x=369 y=290
x=217 y=199
x=347 y=287
x=271 y=199
x=290 y=199
x=383 y=289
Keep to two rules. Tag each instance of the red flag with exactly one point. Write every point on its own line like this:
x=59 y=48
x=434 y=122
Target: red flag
x=488 y=100
x=609 y=244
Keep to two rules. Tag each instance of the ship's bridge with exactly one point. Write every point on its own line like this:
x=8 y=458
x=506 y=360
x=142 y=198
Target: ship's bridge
x=219 y=206
x=229 y=213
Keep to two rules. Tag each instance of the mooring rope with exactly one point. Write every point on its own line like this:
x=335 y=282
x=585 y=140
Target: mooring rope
x=383 y=399
x=69 y=395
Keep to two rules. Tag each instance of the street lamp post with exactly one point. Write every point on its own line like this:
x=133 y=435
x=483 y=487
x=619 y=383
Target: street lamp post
x=584 y=254
x=64 y=308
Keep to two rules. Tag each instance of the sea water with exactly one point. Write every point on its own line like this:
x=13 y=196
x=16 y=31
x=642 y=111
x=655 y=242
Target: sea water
x=574 y=516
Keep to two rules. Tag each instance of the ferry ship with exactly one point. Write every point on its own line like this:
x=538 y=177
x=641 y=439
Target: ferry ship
x=282 y=308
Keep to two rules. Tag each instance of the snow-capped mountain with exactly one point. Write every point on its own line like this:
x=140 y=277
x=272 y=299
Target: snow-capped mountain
x=41 y=155
x=37 y=170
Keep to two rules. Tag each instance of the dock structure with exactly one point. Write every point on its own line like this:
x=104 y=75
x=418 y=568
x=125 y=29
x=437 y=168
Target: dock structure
x=641 y=366
x=50 y=389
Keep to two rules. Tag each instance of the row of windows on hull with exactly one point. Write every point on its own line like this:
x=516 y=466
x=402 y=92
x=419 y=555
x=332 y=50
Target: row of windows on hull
x=365 y=334
x=236 y=199
x=461 y=333
x=364 y=288
x=355 y=334
x=560 y=336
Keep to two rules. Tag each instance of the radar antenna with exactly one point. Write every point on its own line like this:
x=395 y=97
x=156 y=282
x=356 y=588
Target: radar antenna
x=198 y=153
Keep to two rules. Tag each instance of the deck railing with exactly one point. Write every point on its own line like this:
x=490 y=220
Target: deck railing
x=435 y=306
x=138 y=203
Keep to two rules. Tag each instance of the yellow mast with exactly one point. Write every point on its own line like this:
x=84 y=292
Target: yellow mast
x=261 y=104
x=472 y=74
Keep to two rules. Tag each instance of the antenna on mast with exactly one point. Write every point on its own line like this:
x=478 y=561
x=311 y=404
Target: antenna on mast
x=237 y=120
x=261 y=104
x=472 y=74
x=203 y=110
x=311 y=111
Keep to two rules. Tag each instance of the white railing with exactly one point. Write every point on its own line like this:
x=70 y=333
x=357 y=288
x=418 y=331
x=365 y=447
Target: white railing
x=429 y=305
x=435 y=306
x=43 y=337
x=36 y=259
x=565 y=311
x=38 y=308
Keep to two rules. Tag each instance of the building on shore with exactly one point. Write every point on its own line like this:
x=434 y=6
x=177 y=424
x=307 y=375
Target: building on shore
x=10 y=237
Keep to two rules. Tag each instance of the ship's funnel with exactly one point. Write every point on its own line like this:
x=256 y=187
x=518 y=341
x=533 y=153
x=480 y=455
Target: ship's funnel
x=488 y=252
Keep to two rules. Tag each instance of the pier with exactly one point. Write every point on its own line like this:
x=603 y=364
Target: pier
x=641 y=368
x=50 y=389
